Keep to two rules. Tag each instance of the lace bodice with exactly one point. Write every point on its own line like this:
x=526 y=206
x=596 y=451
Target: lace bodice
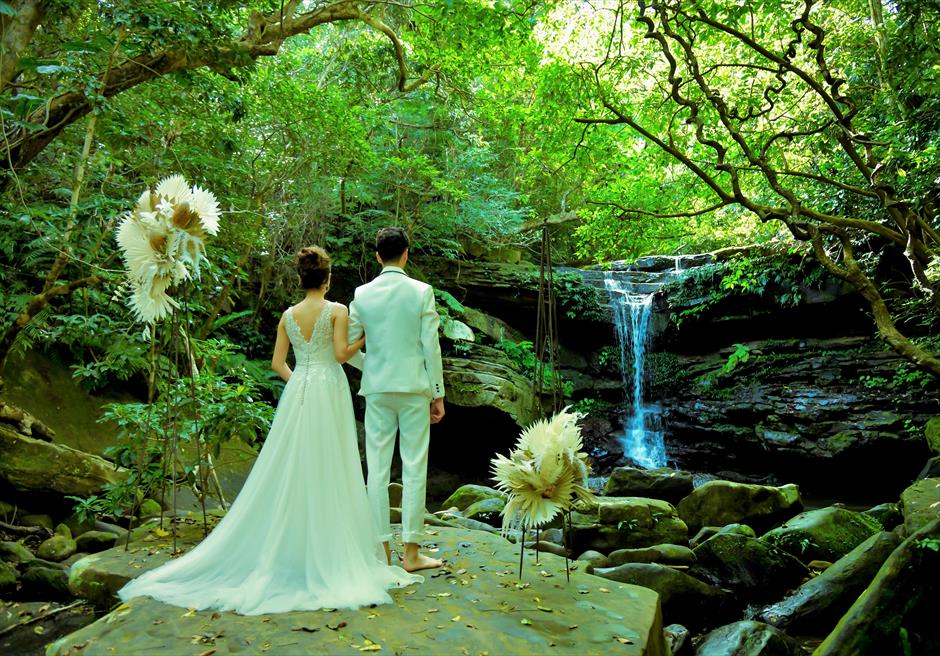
x=318 y=350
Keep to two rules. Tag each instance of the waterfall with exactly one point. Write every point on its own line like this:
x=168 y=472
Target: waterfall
x=632 y=314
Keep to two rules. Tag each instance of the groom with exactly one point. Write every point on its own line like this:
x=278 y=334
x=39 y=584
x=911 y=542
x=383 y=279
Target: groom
x=403 y=383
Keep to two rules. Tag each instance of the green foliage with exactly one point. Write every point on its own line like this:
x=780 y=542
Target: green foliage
x=523 y=355
x=579 y=300
x=591 y=406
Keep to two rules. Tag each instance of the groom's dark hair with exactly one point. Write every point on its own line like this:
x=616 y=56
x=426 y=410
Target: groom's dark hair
x=391 y=243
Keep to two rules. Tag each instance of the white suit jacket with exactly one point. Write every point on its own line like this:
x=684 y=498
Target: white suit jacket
x=400 y=321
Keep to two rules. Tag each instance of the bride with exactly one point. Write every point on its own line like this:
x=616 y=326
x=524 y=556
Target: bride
x=300 y=535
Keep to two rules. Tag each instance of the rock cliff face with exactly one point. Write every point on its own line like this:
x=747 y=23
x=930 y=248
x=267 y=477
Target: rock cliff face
x=812 y=396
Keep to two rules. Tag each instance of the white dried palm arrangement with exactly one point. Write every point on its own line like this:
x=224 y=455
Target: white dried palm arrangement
x=545 y=473
x=163 y=243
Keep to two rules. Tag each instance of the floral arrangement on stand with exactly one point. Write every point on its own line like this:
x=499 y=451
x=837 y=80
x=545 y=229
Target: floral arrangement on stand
x=544 y=475
x=163 y=244
x=162 y=239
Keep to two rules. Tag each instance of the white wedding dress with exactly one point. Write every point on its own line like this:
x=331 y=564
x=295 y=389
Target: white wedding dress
x=300 y=535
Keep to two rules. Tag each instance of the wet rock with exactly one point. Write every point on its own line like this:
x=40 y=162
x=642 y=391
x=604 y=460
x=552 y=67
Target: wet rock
x=625 y=522
x=708 y=531
x=94 y=541
x=78 y=525
x=34 y=465
x=920 y=504
x=14 y=552
x=685 y=599
x=48 y=583
x=42 y=521
x=466 y=495
x=594 y=559
x=718 y=503
x=664 y=483
x=751 y=567
x=747 y=638
x=897 y=612
x=886 y=514
x=824 y=534
x=57 y=548
x=8 y=576
x=63 y=530
x=664 y=554
x=486 y=510
x=818 y=604
x=677 y=636
x=546 y=547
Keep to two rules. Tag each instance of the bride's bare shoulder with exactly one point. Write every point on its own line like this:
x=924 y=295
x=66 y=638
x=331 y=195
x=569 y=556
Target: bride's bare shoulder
x=340 y=310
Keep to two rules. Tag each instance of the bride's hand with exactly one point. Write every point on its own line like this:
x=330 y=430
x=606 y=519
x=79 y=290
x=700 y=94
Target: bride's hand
x=358 y=344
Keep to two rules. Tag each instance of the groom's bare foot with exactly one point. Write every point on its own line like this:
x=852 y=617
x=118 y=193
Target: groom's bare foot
x=419 y=561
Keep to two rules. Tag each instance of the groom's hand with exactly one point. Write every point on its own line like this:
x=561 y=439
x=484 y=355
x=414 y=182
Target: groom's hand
x=437 y=410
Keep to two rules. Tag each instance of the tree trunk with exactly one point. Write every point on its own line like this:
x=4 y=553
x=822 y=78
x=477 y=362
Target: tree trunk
x=17 y=33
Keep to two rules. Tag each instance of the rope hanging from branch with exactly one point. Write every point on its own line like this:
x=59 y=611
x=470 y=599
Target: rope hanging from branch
x=546 y=332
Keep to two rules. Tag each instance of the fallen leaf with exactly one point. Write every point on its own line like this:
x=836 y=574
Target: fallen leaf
x=572 y=627
x=157 y=621
x=410 y=592
x=207 y=652
x=371 y=616
x=160 y=533
x=525 y=621
x=307 y=629
x=545 y=609
x=461 y=571
x=443 y=594
x=623 y=641
x=336 y=627
x=433 y=610
x=215 y=616
x=265 y=646
x=455 y=618
x=371 y=648
x=191 y=612
x=39 y=630
x=603 y=590
x=546 y=574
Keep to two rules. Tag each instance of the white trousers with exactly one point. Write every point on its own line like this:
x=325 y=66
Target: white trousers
x=409 y=415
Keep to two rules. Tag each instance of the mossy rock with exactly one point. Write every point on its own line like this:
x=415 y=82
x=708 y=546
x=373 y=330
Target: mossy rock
x=751 y=567
x=664 y=554
x=79 y=525
x=45 y=583
x=57 y=548
x=467 y=495
x=41 y=521
x=823 y=534
x=932 y=434
x=63 y=530
x=149 y=508
x=747 y=638
x=897 y=612
x=486 y=510
x=738 y=529
x=684 y=598
x=612 y=523
x=886 y=514
x=817 y=604
x=14 y=552
x=95 y=541
x=718 y=503
x=664 y=483
x=917 y=504
x=8 y=577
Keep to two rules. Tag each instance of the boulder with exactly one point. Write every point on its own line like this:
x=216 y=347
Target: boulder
x=594 y=559
x=707 y=531
x=466 y=495
x=489 y=378
x=149 y=508
x=886 y=514
x=34 y=465
x=747 y=638
x=664 y=483
x=63 y=530
x=664 y=554
x=684 y=598
x=547 y=547
x=57 y=548
x=14 y=552
x=897 y=612
x=920 y=504
x=486 y=510
x=611 y=523
x=42 y=521
x=45 y=583
x=931 y=469
x=751 y=567
x=823 y=534
x=818 y=604
x=718 y=503
x=677 y=636
x=932 y=434
x=8 y=576
x=78 y=525
x=94 y=541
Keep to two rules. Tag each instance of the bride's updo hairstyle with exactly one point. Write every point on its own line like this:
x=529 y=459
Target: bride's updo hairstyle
x=313 y=267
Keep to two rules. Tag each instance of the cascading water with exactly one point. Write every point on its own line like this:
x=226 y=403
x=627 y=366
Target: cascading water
x=632 y=320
